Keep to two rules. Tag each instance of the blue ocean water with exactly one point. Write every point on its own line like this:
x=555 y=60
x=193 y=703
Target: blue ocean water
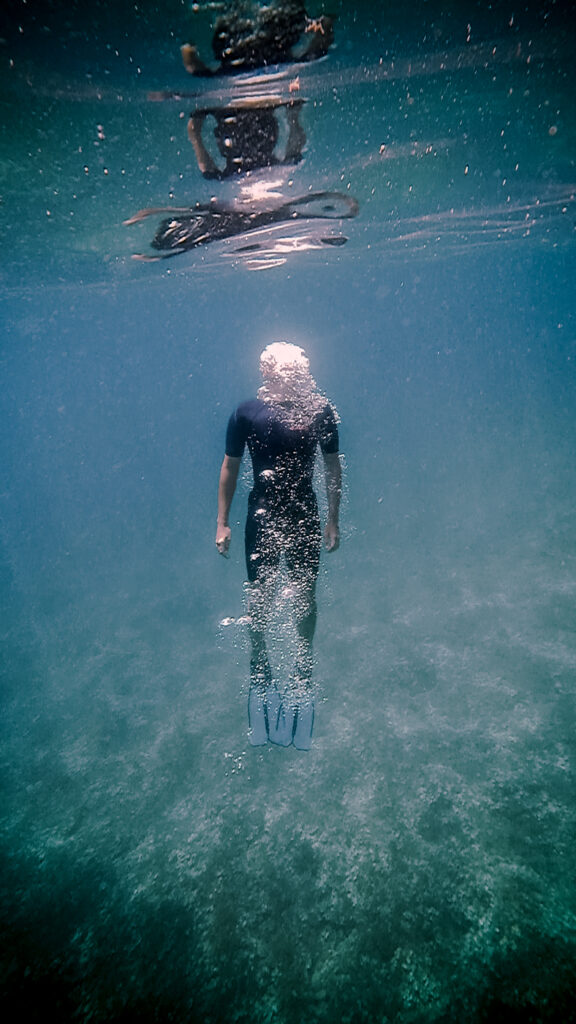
x=417 y=864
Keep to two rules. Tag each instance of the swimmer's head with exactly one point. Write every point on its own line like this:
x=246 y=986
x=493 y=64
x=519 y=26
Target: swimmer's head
x=283 y=361
x=288 y=383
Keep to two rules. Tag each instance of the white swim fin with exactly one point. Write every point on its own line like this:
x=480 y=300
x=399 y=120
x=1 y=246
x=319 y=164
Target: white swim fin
x=280 y=720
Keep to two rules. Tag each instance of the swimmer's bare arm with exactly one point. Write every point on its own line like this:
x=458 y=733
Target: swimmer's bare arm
x=192 y=62
x=226 y=488
x=296 y=135
x=333 y=477
x=205 y=161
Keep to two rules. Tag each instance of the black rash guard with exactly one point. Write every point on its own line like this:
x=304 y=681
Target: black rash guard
x=282 y=456
x=282 y=509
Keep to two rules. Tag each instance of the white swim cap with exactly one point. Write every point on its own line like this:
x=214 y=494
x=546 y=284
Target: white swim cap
x=283 y=359
x=289 y=385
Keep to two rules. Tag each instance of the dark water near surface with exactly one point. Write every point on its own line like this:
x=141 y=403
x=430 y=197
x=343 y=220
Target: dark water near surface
x=418 y=863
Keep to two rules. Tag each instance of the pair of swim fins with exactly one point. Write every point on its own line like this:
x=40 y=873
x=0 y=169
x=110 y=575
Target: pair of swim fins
x=282 y=720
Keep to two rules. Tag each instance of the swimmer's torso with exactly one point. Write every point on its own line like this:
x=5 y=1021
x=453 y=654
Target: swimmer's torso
x=282 y=453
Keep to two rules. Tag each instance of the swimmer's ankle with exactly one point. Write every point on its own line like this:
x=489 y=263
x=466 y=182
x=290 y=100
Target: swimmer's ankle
x=260 y=671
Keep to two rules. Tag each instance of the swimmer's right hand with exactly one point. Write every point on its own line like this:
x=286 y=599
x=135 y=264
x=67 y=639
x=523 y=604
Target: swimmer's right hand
x=223 y=536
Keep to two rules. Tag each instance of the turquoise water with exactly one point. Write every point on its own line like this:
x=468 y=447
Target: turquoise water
x=417 y=864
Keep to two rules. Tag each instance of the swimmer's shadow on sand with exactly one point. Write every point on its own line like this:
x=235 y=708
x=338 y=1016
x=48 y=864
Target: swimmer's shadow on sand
x=184 y=228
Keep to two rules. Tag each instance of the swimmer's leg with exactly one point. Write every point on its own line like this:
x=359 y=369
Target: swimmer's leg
x=262 y=562
x=260 y=595
x=303 y=561
x=264 y=703
x=306 y=616
x=298 y=698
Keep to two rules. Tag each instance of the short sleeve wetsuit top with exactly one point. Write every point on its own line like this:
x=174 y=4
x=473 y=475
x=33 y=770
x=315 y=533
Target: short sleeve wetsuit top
x=282 y=509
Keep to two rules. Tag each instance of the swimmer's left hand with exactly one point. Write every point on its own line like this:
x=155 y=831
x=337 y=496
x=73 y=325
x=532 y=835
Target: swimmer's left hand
x=331 y=537
x=223 y=537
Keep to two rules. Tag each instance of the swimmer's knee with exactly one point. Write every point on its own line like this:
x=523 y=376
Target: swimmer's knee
x=305 y=605
x=258 y=597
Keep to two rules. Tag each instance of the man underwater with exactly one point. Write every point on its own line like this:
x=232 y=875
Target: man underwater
x=283 y=428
